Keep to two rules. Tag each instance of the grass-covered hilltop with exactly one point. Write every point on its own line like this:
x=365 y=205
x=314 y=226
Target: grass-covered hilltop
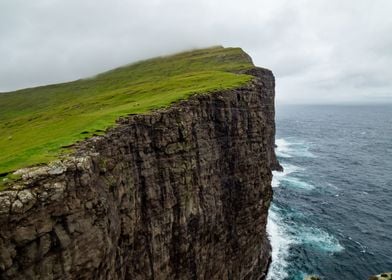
x=36 y=123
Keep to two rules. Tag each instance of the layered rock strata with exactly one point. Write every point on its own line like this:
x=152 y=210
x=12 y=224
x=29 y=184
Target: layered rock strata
x=180 y=193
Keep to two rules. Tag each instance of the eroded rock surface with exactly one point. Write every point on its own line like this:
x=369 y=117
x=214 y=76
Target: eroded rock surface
x=382 y=276
x=181 y=193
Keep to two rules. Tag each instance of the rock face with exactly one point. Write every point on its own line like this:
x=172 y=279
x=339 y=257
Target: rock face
x=382 y=276
x=181 y=193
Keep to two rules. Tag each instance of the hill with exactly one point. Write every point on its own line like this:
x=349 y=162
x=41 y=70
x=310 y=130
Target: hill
x=36 y=123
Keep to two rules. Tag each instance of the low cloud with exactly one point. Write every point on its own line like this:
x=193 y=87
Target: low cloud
x=320 y=51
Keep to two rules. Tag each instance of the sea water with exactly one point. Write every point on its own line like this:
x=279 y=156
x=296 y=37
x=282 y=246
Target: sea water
x=332 y=208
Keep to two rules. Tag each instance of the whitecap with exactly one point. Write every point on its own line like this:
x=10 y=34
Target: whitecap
x=286 y=149
x=294 y=182
x=283 y=148
x=332 y=186
x=283 y=236
x=278 y=176
x=318 y=238
x=280 y=242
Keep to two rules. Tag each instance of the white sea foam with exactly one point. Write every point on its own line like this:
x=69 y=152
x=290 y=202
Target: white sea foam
x=288 y=169
x=283 y=235
x=293 y=182
x=280 y=239
x=283 y=148
x=318 y=238
x=288 y=149
x=332 y=186
x=280 y=243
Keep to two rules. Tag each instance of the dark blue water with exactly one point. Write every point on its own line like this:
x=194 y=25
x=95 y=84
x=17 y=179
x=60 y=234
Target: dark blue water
x=332 y=209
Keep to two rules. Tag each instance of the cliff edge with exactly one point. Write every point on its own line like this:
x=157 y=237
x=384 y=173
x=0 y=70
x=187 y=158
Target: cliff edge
x=180 y=193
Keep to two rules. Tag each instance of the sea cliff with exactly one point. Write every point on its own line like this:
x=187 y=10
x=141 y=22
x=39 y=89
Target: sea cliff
x=178 y=193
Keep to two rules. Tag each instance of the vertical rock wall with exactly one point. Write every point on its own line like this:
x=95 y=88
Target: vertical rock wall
x=181 y=193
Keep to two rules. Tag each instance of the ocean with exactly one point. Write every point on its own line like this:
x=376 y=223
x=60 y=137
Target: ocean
x=332 y=208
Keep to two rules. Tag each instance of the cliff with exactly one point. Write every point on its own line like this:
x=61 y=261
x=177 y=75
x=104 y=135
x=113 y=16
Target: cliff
x=180 y=193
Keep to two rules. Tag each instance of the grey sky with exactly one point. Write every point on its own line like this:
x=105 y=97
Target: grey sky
x=320 y=51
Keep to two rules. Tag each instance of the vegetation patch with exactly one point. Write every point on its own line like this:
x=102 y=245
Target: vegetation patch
x=7 y=180
x=36 y=123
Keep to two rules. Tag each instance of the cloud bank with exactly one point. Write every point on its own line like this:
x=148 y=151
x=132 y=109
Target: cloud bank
x=320 y=51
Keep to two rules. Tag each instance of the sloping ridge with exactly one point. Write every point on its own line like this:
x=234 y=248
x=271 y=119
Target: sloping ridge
x=179 y=193
x=36 y=123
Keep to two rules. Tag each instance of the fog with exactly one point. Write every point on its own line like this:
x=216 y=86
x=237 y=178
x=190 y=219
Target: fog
x=320 y=51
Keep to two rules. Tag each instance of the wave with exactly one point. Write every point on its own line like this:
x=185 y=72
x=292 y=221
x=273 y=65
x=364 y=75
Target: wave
x=290 y=181
x=286 y=149
x=296 y=183
x=280 y=242
x=287 y=228
x=288 y=169
x=317 y=238
x=285 y=234
x=283 y=148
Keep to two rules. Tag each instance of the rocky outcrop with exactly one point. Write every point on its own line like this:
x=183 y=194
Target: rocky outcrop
x=382 y=276
x=181 y=193
x=312 y=277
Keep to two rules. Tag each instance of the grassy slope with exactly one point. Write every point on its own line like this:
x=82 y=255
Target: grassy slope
x=35 y=123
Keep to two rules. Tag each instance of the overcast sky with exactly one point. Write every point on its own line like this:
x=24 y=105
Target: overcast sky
x=320 y=51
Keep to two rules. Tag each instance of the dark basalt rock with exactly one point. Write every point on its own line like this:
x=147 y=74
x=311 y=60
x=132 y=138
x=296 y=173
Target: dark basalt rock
x=382 y=276
x=181 y=193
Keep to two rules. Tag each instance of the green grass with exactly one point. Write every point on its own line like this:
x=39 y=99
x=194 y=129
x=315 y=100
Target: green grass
x=36 y=122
